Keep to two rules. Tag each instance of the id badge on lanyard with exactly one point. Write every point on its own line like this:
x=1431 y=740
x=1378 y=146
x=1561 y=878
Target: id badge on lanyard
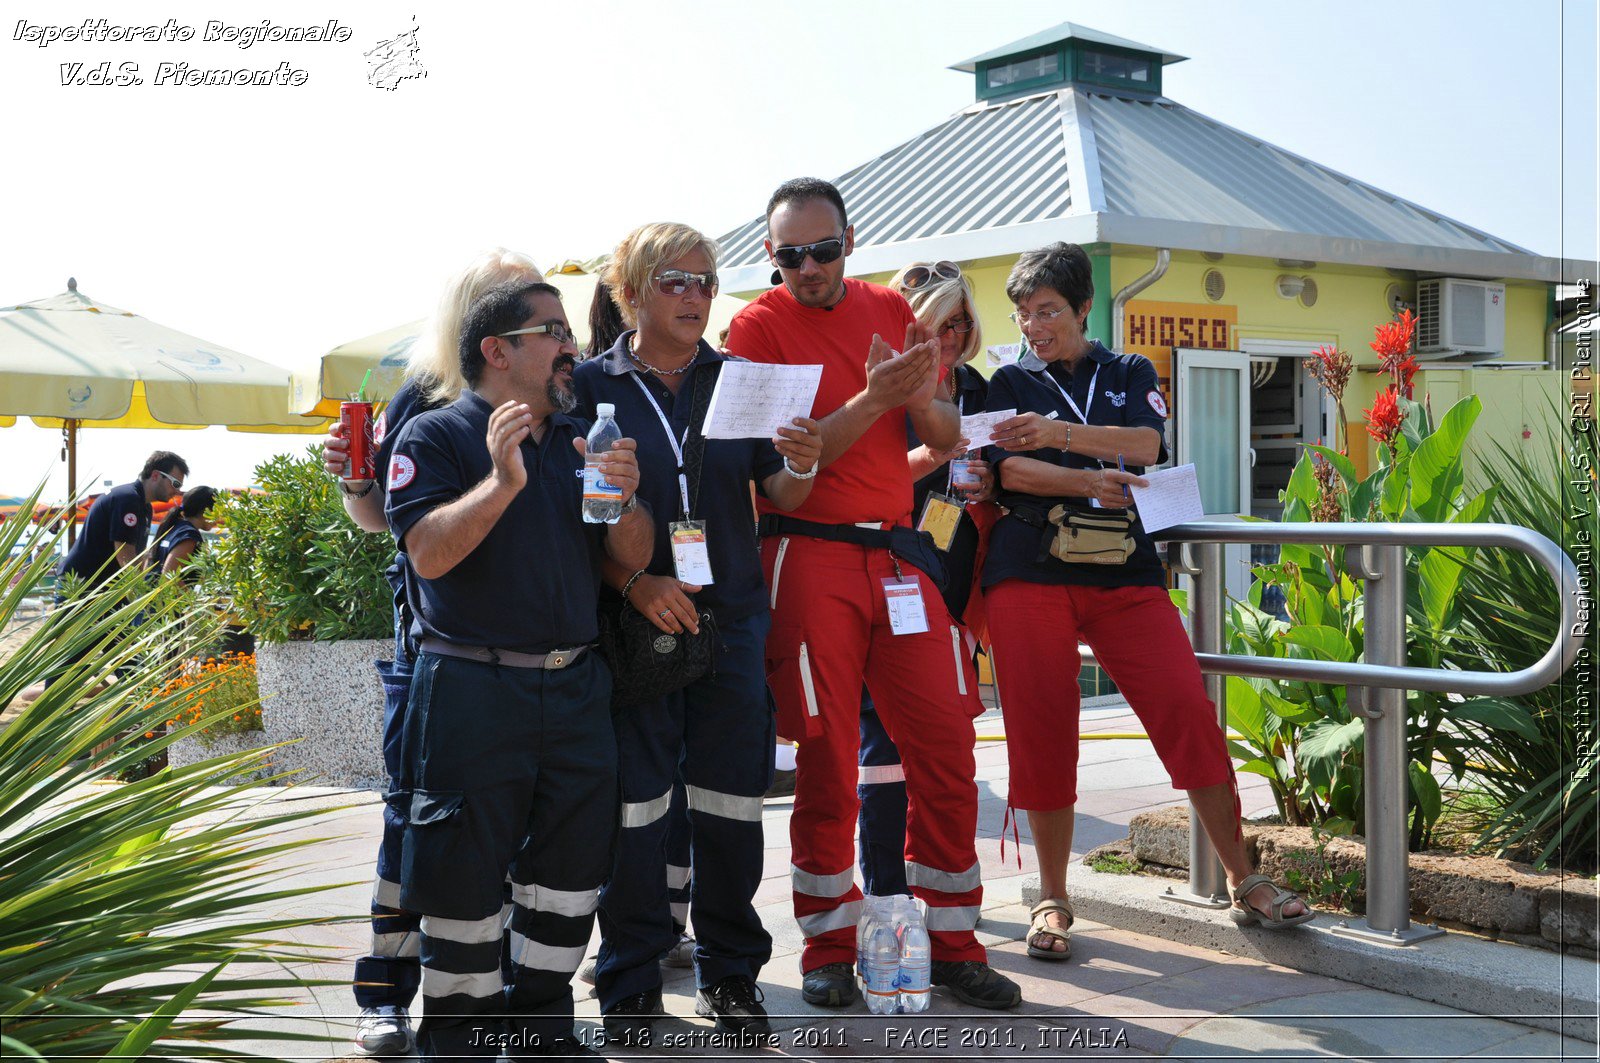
x=907 y=614
x=691 y=555
x=1083 y=414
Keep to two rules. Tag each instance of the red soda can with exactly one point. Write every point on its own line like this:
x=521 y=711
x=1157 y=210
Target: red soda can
x=356 y=417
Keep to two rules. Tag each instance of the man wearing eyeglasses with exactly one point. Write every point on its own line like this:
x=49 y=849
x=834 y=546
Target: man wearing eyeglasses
x=118 y=525
x=852 y=600
x=508 y=738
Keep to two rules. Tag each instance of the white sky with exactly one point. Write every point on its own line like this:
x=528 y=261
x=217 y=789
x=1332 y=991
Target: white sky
x=283 y=221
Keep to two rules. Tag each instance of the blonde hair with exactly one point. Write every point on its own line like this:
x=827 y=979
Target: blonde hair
x=643 y=252
x=435 y=360
x=935 y=301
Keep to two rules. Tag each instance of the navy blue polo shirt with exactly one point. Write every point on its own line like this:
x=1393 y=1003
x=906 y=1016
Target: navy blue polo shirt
x=181 y=532
x=121 y=515
x=1125 y=395
x=971 y=392
x=408 y=401
x=532 y=584
x=729 y=465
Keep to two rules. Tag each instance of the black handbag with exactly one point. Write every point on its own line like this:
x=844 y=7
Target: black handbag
x=646 y=662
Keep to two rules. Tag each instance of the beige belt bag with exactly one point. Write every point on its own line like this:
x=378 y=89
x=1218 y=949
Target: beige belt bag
x=1091 y=537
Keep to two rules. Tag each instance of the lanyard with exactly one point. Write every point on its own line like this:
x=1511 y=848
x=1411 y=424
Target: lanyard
x=677 y=446
x=1083 y=415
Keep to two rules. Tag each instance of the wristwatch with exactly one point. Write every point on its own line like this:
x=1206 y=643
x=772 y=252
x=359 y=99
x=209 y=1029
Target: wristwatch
x=630 y=505
x=808 y=474
x=344 y=486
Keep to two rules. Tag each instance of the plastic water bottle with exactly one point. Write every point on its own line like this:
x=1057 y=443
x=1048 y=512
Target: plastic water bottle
x=881 y=968
x=873 y=909
x=602 y=501
x=916 y=958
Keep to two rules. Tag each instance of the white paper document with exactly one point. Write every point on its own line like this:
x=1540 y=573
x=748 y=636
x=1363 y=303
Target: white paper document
x=753 y=400
x=1173 y=497
x=979 y=427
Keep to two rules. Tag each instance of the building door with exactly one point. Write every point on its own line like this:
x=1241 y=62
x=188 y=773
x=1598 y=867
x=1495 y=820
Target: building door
x=1211 y=400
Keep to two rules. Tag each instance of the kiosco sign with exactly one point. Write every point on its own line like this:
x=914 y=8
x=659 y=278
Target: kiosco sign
x=1153 y=329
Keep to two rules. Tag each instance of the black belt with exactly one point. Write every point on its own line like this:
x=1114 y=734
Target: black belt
x=778 y=524
x=484 y=655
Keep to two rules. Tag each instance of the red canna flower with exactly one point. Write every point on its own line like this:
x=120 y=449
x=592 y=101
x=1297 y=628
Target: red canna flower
x=1394 y=338
x=1383 y=419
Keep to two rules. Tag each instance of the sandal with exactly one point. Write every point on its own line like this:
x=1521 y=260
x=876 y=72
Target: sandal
x=1273 y=918
x=1040 y=926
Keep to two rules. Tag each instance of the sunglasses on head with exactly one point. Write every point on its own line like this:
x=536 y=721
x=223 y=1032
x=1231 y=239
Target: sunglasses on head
x=675 y=282
x=793 y=256
x=922 y=276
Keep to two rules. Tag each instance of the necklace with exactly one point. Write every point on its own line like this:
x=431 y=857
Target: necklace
x=955 y=387
x=647 y=367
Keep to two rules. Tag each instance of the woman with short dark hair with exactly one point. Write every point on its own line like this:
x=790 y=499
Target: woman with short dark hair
x=1071 y=562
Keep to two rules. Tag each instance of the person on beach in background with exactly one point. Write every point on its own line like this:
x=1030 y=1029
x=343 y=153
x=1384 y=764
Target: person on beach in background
x=117 y=530
x=181 y=532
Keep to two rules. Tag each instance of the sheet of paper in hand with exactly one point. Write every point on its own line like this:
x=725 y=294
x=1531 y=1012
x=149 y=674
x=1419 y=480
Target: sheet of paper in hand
x=753 y=400
x=1173 y=497
x=979 y=427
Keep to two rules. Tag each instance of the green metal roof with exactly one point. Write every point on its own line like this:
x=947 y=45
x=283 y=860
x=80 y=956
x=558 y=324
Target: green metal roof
x=1055 y=35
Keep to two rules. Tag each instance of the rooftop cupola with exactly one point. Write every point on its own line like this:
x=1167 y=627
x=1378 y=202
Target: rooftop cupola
x=1068 y=54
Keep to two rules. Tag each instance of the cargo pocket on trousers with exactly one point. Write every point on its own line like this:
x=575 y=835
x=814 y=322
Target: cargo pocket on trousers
x=436 y=875
x=792 y=678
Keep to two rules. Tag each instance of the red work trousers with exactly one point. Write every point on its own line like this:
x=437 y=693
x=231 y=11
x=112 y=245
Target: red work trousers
x=1138 y=638
x=830 y=633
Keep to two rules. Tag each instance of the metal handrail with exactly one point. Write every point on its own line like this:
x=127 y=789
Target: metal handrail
x=1377 y=687
x=1560 y=656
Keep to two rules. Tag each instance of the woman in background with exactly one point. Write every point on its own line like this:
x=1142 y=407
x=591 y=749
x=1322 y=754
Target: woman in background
x=179 y=535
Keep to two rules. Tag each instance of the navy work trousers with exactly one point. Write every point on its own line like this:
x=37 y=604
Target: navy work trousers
x=881 y=786
x=390 y=972
x=510 y=768
x=719 y=730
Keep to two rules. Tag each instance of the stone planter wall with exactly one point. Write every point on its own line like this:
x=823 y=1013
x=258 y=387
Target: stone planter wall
x=327 y=695
x=1498 y=898
x=188 y=751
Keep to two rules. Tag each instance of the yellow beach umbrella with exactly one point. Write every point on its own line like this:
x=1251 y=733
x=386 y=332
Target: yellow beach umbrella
x=385 y=353
x=72 y=362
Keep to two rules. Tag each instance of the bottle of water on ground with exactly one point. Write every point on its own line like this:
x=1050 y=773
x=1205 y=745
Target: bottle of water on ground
x=881 y=968
x=916 y=958
x=602 y=500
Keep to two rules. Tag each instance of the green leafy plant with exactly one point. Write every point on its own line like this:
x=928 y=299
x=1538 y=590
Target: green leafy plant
x=130 y=915
x=1543 y=800
x=1312 y=874
x=291 y=564
x=1303 y=737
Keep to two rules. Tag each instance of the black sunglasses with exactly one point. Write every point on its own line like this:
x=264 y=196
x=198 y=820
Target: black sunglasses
x=822 y=252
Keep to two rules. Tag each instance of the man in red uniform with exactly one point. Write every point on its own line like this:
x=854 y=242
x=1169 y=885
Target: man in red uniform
x=852 y=601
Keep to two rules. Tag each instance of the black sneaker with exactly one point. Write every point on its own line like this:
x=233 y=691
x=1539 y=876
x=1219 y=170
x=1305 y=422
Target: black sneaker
x=628 y=1021
x=833 y=985
x=735 y=1002
x=977 y=984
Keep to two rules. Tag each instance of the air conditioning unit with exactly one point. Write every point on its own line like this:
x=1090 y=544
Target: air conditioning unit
x=1457 y=316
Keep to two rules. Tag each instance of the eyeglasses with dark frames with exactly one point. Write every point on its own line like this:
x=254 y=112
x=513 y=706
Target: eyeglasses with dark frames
x=554 y=329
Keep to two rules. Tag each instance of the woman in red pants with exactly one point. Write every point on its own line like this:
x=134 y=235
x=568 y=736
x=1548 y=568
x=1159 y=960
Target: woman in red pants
x=1085 y=414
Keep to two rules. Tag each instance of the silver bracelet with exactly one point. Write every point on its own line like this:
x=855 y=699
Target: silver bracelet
x=808 y=474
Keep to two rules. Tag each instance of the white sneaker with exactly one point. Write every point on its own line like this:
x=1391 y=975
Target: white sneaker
x=680 y=954
x=586 y=970
x=384 y=1031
